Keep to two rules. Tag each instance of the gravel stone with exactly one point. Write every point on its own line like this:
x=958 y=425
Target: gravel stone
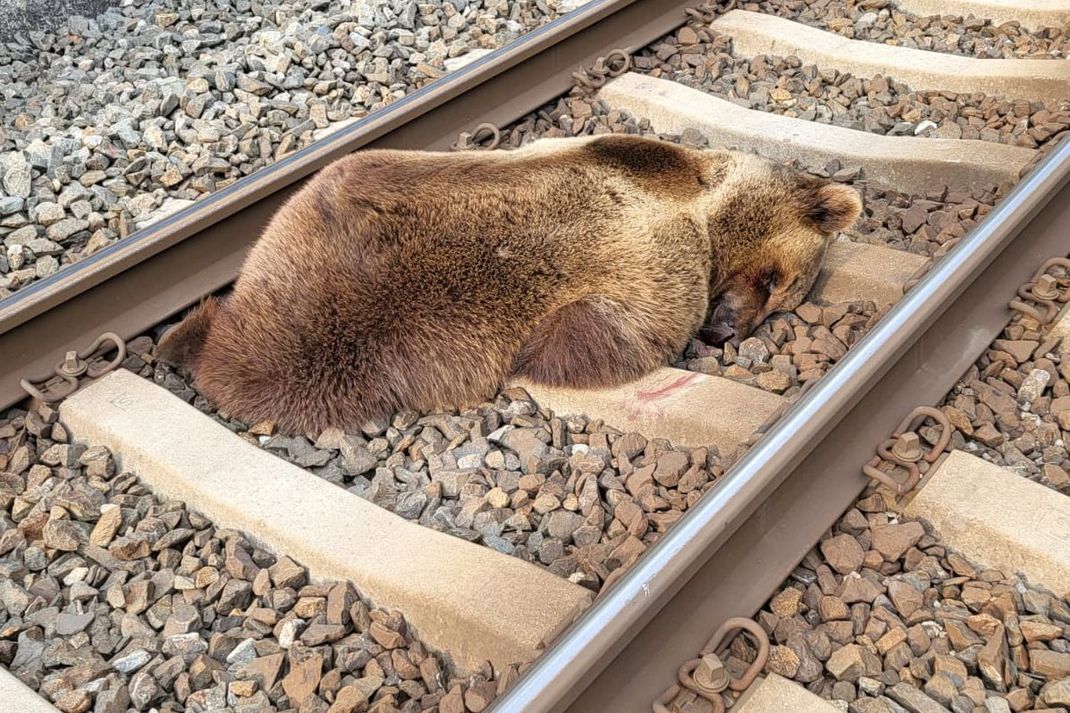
x=69 y=624
x=881 y=21
x=175 y=624
x=914 y=700
x=1012 y=407
x=16 y=175
x=63 y=535
x=63 y=229
x=700 y=57
x=1033 y=386
x=932 y=633
x=1050 y=664
x=1056 y=693
x=113 y=122
x=846 y=663
x=892 y=541
x=843 y=553
x=132 y=661
x=783 y=661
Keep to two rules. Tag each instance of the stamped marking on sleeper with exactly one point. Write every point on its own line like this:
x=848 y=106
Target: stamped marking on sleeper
x=1053 y=523
x=122 y=401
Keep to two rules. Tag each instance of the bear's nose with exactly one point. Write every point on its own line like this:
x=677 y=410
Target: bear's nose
x=718 y=334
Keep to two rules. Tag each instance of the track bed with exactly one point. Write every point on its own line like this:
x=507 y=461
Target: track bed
x=166 y=576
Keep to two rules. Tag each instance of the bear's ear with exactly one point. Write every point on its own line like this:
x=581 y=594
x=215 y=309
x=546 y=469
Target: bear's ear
x=181 y=344
x=832 y=207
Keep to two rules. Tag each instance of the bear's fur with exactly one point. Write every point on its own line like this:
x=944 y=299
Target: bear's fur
x=417 y=280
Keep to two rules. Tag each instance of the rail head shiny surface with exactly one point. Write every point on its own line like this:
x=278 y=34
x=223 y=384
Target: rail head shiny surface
x=583 y=650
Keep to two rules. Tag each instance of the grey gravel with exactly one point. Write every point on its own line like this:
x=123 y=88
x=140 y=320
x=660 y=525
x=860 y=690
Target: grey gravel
x=1012 y=407
x=701 y=58
x=882 y=21
x=24 y=15
x=789 y=350
x=111 y=123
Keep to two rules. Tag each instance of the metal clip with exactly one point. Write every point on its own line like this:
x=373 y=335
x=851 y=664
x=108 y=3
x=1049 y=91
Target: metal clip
x=708 y=11
x=72 y=365
x=468 y=141
x=710 y=675
x=707 y=676
x=614 y=64
x=1044 y=290
x=63 y=381
x=905 y=449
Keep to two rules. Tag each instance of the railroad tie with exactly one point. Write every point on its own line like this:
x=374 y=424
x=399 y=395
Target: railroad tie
x=473 y=602
x=996 y=517
x=860 y=271
x=17 y=696
x=913 y=164
x=755 y=33
x=776 y=694
x=686 y=407
x=1061 y=329
x=1031 y=14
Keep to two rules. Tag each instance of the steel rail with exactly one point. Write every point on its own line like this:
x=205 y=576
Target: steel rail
x=726 y=554
x=140 y=281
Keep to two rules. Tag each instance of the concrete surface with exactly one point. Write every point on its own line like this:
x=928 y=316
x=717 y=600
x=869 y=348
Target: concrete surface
x=907 y=163
x=756 y=33
x=775 y=694
x=17 y=697
x=688 y=408
x=998 y=519
x=465 y=600
x=1061 y=328
x=860 y=271
x=1033 y=14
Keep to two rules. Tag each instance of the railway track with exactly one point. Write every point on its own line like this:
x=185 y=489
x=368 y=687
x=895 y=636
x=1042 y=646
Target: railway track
x=709 y=481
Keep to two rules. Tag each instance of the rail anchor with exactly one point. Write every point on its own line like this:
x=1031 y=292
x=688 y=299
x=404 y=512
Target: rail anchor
x=707 y=676
x=63 y=381
x=1045 y=290
x=485 y=137
x=906 y=450
x=614 y=64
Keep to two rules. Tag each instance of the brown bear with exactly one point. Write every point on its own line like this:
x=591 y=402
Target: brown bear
x=422 y=280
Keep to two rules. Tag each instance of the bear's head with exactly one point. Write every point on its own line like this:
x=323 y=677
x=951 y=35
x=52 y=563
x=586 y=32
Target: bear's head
x=769 y=228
